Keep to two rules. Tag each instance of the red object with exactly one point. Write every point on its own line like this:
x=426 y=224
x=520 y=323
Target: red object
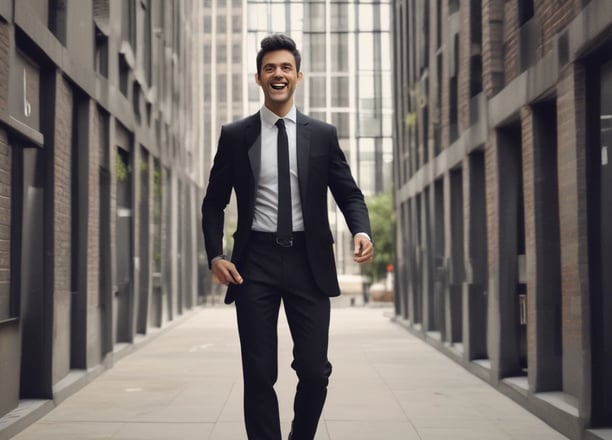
x=389 y=267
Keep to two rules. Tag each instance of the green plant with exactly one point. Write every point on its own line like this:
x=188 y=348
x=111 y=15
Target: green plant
x=382 y=219
x=121 y=169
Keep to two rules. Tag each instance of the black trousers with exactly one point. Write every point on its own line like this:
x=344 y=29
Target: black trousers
x=273 y=273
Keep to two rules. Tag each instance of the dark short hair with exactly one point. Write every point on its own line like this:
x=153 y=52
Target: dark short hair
x=278 y=42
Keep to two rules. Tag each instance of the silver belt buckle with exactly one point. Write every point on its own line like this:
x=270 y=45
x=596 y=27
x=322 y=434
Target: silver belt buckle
x=286 y=243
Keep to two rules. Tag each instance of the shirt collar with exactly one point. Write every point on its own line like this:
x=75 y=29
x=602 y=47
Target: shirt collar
x=269 y=117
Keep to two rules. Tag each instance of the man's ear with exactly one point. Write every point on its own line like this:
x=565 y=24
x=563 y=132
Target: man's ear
x=257 y=79
x=299 y=76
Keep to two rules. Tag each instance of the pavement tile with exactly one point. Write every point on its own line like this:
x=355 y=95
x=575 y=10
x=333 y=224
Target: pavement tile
x=386 y=384
x=164 y=431
x=465 y=433
x=70 y=431
x=370 y=430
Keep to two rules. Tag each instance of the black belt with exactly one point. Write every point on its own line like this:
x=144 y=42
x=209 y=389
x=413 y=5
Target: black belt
x=270 y=238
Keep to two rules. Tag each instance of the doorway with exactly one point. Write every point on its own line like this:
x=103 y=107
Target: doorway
x=28 y=235
x=122 y=301
x=600 y=243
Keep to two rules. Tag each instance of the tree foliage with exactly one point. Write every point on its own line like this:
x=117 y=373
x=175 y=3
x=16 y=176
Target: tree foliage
x=382 y=219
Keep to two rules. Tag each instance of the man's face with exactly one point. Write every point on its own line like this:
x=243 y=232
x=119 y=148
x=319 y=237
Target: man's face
x=278 y=79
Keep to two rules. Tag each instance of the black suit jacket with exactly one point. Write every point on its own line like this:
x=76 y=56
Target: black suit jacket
x=321 y=165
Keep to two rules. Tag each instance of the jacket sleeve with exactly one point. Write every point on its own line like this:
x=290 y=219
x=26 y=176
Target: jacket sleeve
x=218 y=192
x=347 y=194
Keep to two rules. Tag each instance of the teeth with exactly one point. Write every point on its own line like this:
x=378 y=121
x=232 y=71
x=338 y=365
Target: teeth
x=278 y=86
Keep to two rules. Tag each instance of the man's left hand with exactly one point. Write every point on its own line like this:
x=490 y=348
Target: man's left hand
x=363 y=250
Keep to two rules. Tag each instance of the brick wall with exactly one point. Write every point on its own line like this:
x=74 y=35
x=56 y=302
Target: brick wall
x=529 y=200
x=4 y=66
x=465 y=50
x=492 y=200
x=511 y=41
x=571 y=111
x=492 y=46
x=5 y=180
x=93 y=227
x=62 y=227
x=5 y=225
x=553 y=16
x=443 y=82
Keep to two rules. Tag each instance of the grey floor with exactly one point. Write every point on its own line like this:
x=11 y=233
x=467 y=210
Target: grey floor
x=386 y=385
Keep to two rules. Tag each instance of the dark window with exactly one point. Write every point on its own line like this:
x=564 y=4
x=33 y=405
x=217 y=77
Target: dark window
x=148 y=35
x=101 y=56
x=57 y=19
x=525 y=11
x=124 y=70
x=128 y=23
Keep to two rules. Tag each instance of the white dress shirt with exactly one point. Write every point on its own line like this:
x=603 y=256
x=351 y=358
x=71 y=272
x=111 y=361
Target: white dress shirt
x=266 y=196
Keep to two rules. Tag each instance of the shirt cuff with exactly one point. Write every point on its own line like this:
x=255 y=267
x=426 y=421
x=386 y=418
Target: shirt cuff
x=217 y=258
x=365 y=234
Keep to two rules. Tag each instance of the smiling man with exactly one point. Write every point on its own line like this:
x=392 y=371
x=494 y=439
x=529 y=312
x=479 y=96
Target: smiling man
x=281 y=163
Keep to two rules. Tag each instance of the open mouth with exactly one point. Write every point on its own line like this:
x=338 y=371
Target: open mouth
x=278 y=86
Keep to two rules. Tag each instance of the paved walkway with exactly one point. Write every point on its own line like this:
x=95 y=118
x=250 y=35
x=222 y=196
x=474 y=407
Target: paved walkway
x=386 y=385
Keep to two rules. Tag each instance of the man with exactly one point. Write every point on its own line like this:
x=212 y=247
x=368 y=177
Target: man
x=280 y=163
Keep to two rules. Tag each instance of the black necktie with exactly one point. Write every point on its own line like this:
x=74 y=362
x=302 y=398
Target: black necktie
x=284 y=224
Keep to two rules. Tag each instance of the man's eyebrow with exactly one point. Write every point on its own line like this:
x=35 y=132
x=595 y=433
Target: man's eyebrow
x=285 y=64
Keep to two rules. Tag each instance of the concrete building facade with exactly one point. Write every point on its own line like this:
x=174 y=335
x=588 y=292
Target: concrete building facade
x=101 y=178
x=503 y=196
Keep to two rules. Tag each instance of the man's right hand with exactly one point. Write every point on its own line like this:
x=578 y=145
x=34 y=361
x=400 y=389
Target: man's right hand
x=224 y=272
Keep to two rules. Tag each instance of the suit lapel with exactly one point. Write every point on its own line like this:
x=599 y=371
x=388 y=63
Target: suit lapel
x=303 y=152
x=252 y=141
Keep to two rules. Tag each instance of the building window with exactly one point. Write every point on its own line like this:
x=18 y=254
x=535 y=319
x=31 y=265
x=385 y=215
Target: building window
x=317 y=91
x=525 y=11
x=221 y=53
x=128 y=23
x=342 y=122
x=339 y=14
x=339 y=52
x=316 y=53
x=315 y=13
x=222 y=88
x=236 y=88
x=124 y=71
x=101 y=55
x=340 y=91
x=207 y=88
x=207 y=24
x=236 y=23
x=57 y=19
x=236 y=53
x=207 y=53
x=221 y=24
x=148 y=35
x=367 y=165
